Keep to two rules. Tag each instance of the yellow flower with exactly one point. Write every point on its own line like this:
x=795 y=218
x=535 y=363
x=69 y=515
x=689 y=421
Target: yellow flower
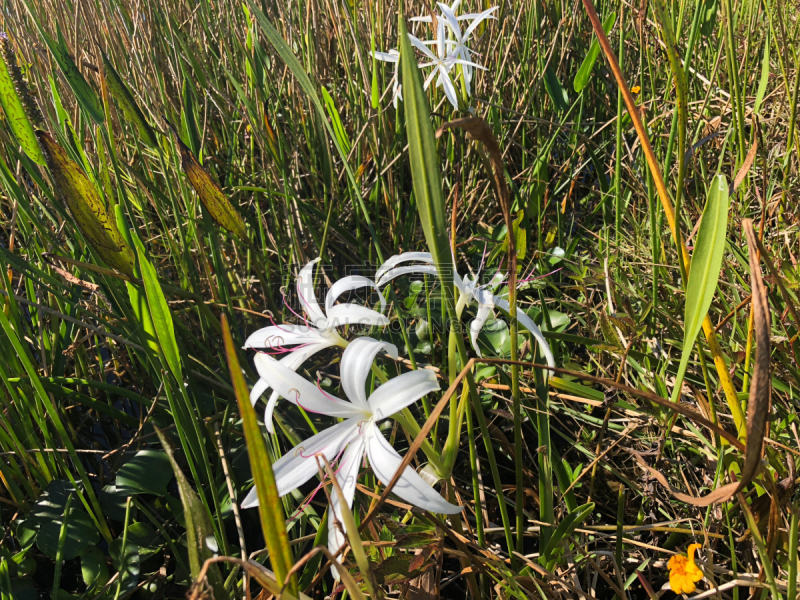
x=683 y=573
x=635 y=89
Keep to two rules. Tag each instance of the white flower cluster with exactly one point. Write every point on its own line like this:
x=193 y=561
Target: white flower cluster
x=357 y=435
x=450 y=50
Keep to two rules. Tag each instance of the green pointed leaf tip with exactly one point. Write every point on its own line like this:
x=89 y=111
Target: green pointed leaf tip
x=86 y=207
x=130 y=109
x=17 y=102
x=425 y=166
x=585 y=70
x=704 y=270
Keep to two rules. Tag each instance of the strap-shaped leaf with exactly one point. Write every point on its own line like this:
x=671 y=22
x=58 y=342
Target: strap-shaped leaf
x=159 y=313
x=585 y=70
x=216 y=203
x=705 y=267
x=12 y=92
x=86 y=207
x=425 y=167
x=270 y=508
x=124 y=97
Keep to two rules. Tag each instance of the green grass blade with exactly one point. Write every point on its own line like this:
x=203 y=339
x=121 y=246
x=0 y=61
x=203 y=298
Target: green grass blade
x=288 y=57
x=270 y=508
x=84 y=94
x=704 y=270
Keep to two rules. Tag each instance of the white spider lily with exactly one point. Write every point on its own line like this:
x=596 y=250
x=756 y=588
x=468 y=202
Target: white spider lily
x=393 y=56
x=442 y=62
x=469 y=291
x=358 y=435
x=318 y=332
x=459 y=48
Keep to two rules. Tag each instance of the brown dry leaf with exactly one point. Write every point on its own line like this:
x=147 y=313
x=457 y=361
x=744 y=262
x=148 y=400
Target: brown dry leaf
x=758 y=403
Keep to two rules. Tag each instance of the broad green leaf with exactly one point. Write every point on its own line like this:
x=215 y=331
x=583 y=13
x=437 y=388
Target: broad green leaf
x=198 y=527
x=585 y=70
x=94 y=569
x=556 y=91
x=215 y=202
x=270 y=507
x=126 y=564
x=425 y=167
x=288 y=57
x=47 y=517
x=160 y=314
x=764 y=80
x=124 y=97
x=704 y=270
x=12 y=102
x=86 y=207
x=148 y=472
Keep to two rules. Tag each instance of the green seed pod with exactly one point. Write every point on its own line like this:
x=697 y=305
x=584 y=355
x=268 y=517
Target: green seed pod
x=18 y=104
x=87 y=207
x=120 y=92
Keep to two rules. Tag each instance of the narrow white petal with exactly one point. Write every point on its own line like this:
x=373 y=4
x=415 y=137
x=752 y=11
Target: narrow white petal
x=298 y=465
x=477 y=324
x=356 y=363
x=449 y=88
x=398 y=259
x=305 y=291
x=347 y=284
x=299 y=390
x=477 y=20
x=452 y=21
x=269 y=409
x=421 y=46
x=259 y=388
x=347 y=476
x=401 y=391
x=411 y=270
x=386 y=56
x=410 y=487
x=528 y=324
x=425 y=19
x=278 y=336
x=354 y=314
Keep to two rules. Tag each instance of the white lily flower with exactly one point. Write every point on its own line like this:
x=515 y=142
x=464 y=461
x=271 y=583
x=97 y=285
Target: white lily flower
x=469 y=291
x=459 y=48
x=318 y=332
x=358 y=435
x=393 y=56
x=442 y=62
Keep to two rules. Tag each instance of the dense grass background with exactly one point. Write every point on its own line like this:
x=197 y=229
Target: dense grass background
x=90 y=507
